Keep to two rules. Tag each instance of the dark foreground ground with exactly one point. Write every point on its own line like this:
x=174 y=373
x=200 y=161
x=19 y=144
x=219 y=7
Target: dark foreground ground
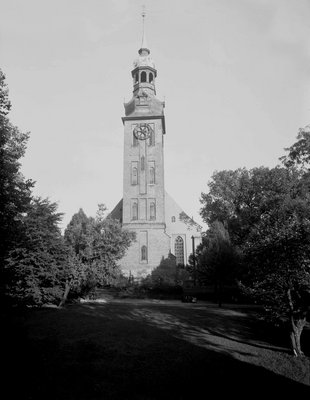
x=147 y=350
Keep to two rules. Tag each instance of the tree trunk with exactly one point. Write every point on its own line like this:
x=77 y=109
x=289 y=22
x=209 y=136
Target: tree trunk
x=65 y=295
x=298 y=321
x=297 y=326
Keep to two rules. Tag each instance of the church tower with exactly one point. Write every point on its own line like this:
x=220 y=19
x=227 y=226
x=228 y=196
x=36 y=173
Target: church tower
x=161 y=226
x=143 y=182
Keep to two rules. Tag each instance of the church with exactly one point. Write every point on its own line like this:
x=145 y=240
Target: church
x=161 y=226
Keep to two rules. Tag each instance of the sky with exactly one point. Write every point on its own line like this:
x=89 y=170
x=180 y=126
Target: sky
x=234 y=74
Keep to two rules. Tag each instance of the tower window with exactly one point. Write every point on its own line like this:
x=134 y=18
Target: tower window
x=143 y=253
x=142 y=163
x=152 y=211
x=179 y=250
x=151 y=140
x=151 y=78
x=173 y=219
x=134 y=174
x=152 y=175
x=143 y=76
x=134 y=211
x=136 y=77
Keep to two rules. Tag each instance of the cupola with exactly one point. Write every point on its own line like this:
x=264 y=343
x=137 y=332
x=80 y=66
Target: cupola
x=144 y=72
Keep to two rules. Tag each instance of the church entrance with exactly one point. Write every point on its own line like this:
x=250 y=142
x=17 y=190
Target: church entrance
x=179 y=250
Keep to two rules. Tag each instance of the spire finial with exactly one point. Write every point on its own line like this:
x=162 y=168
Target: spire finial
x=143 y=45
x=143 y=12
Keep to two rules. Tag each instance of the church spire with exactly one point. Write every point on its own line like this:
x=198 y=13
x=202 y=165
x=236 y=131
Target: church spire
x=144 y=72
x=144 y=50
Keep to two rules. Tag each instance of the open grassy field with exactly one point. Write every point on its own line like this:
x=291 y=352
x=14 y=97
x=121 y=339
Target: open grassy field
x=138 y=349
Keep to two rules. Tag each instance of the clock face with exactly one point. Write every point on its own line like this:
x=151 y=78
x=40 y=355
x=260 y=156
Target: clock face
x=142 y=131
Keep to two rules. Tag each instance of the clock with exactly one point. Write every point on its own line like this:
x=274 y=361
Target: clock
x=142 y=131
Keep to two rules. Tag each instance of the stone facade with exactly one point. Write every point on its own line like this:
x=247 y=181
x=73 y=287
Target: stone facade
x=161 y=226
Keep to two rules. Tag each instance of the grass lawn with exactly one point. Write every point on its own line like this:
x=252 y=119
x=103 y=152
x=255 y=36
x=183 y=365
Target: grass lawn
x=138 y=349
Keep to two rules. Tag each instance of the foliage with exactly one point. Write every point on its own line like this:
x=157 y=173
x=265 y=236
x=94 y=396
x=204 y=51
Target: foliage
x=35 y=267
x=217 y=260
x=189 y=222
x=299 y=153
x=15 y=191
x=239 y=198
x=267 y=213
x=5 y=104
x=167 y=273
x=96 y=245
x=277 y=253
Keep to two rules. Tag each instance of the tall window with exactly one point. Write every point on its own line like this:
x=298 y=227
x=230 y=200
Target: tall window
x=152 y=211
x=142 y=163
x=151 y=78
x=151 y=140
x=179 y=250
x=136 y=77
x=152 y=175
x=135 y=210
x=143 y=76
x=143 y=253
x=134 y=176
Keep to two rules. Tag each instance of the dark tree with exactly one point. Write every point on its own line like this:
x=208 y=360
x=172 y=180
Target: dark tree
x=267 y=212
x=36 y=266
x=277 y=254
x=239 y=198
x=96 y=245
x=15 y=191
x=217 y=260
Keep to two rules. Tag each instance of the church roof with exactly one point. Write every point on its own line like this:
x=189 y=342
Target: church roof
x=144 y=104
x=171 y=207
x=117 y=212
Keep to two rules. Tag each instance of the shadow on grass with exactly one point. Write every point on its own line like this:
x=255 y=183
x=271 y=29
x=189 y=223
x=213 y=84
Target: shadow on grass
x=121 y=351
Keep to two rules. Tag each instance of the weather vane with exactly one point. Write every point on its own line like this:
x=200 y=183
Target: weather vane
x=143 y=18
x=143 y=12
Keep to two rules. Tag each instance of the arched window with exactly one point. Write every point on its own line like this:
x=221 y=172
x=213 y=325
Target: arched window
x=143 y=76
x=143 y=253
x=173 y=219
x=134 y=176
x=179 y=250
x=152 y=211
x=135 y=211
x=151 y=78
x=136 y=77
x=152 y=176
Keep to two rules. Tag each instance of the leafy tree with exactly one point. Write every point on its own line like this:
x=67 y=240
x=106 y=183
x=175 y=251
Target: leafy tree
x=96 y=245
x=36 y=266
x=239 y=198
x=217 y=260
x=168 y=273
x=78 y=235
x=267 y=212
x=277 y=253
x=76 y=278
x=15 y=191
x=299 y=153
